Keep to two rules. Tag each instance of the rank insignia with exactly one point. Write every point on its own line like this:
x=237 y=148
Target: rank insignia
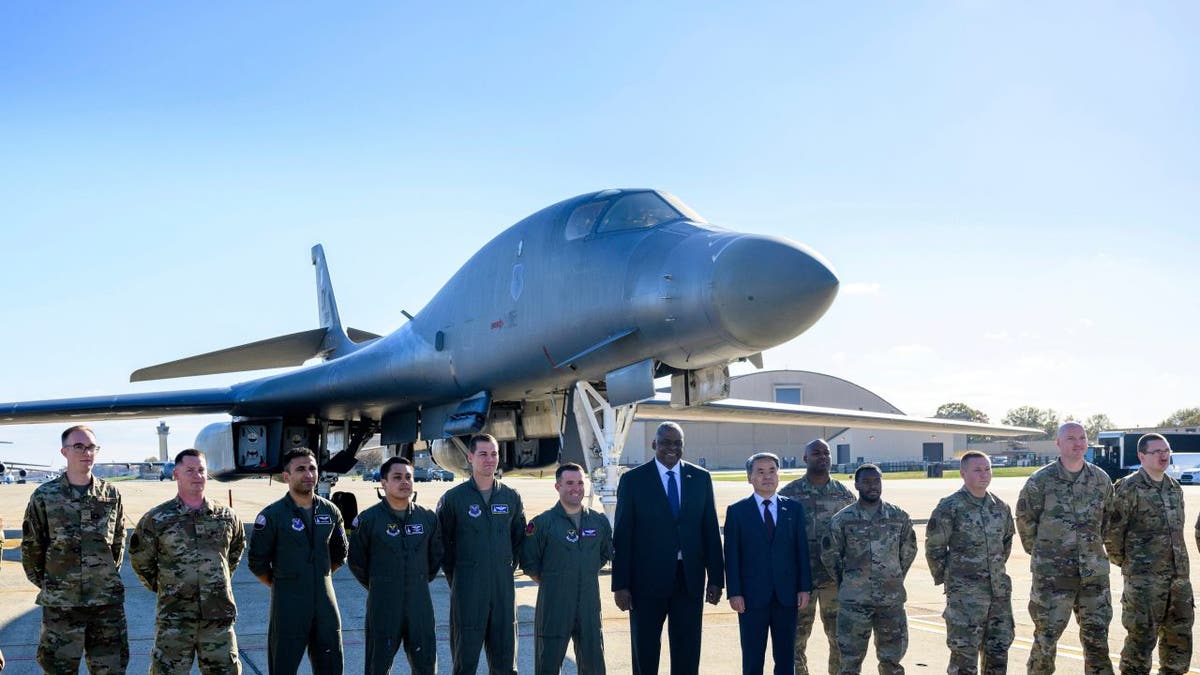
x=393 y=530
x=474 y=511
x=297 y=524
x=572 y=536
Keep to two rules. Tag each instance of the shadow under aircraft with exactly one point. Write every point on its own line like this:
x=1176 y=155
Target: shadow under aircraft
x=550 y=338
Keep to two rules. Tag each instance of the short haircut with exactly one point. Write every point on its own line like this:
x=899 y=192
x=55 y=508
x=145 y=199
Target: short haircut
x=297 y=453
x=865 y=468
x=669 y=425
x=563 y=468
x=815 y=443
x=760 y=455
x=972 y=454
x=1069 y=423
x=1145 y=440
x=392 y=461
x=190 y=452
x=71 y=430
x=481 y=438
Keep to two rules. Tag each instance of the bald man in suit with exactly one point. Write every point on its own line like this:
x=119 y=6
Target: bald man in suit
x=666 y=542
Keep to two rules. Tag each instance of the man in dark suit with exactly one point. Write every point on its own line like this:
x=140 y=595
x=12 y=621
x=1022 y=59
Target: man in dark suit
x=666 y=539
x=767 y=567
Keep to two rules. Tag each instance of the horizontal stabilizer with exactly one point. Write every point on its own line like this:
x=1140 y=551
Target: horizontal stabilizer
x=359 y=336
x=277 y=352
x=119 y=407
x=759 y=412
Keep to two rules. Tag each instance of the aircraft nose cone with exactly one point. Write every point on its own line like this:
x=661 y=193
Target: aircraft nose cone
x=767 y=291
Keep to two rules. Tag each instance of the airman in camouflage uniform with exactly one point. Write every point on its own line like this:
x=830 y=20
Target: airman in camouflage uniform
x=73 y=539
x=564 y=549
x=821 y=497
x=1060 y=518
x=185 y=550
x=1144 y=537
x=967 y=543
x=868 y=549
x=395 y=551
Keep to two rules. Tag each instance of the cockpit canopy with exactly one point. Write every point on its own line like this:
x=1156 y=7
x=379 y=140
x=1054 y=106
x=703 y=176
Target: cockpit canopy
x=615 y=210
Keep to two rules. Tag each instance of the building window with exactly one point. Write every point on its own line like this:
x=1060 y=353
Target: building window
x=789 y=394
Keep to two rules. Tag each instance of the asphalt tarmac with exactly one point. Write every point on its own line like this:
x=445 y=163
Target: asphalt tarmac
x=20 y=618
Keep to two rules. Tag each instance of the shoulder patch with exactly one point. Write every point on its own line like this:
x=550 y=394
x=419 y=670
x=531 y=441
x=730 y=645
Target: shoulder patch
x=354 y=523
x=260 y=522
x=530 y=528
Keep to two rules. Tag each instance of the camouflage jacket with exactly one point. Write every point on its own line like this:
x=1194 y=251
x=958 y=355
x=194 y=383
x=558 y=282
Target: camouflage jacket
x=1144 y=533
x=1061 y=521
x=967 y=543
x=820 y=503
x=187 y=556
x=71 y=546
x=870 y=553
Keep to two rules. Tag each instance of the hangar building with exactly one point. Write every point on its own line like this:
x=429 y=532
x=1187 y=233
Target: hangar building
x=726 y=445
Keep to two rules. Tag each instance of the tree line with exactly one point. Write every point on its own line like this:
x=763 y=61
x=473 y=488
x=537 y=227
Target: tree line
x=1048 y=419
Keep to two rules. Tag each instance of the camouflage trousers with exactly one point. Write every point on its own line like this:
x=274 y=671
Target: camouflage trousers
x=69 y=632
x=1157 y=609
x=978 y=625
x=1050 y=604
x=178 y=642
x=855 y=624
x=826 y=595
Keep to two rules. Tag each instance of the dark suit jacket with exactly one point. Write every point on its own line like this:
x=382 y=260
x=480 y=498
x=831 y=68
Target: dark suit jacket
x=646 y=536
x=757 y=568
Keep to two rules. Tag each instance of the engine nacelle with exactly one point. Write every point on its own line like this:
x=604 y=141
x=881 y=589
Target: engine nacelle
x=529 y=456
x=450 y=454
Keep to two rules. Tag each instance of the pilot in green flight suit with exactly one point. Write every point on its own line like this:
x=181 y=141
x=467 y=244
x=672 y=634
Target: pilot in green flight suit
x=564 y=549
x=395 y=551
x=297 y=543
x=483 y=525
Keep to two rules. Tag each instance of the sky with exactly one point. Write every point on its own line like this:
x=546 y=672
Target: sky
x=1007 y=191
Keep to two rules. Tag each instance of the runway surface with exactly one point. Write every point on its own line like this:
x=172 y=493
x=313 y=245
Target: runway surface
x=20 y=618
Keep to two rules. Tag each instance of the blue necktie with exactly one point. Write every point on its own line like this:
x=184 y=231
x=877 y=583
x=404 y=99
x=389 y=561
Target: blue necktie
x=673 y=494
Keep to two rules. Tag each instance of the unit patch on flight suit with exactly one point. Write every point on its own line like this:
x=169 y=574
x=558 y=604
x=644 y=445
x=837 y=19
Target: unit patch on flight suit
x=393 y=529
x=474 y=511
x=297 y=524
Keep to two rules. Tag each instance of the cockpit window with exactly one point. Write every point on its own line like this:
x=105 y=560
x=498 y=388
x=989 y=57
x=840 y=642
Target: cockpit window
x=639 y=210
x=583 y=217
x=682 y=208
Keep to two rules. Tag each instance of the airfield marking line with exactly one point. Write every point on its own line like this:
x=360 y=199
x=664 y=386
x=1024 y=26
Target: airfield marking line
x=248 y=662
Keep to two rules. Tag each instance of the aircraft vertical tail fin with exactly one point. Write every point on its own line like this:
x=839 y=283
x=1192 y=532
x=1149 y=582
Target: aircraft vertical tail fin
x=336 y=343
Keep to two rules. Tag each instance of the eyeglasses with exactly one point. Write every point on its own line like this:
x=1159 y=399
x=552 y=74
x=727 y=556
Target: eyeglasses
x=1160 y=451
x=80 y=447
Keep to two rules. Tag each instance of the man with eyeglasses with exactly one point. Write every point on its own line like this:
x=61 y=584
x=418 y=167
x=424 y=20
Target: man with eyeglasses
x=1144 y=537
x=1060 y=516
x=72 y=541
x=185 y=551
